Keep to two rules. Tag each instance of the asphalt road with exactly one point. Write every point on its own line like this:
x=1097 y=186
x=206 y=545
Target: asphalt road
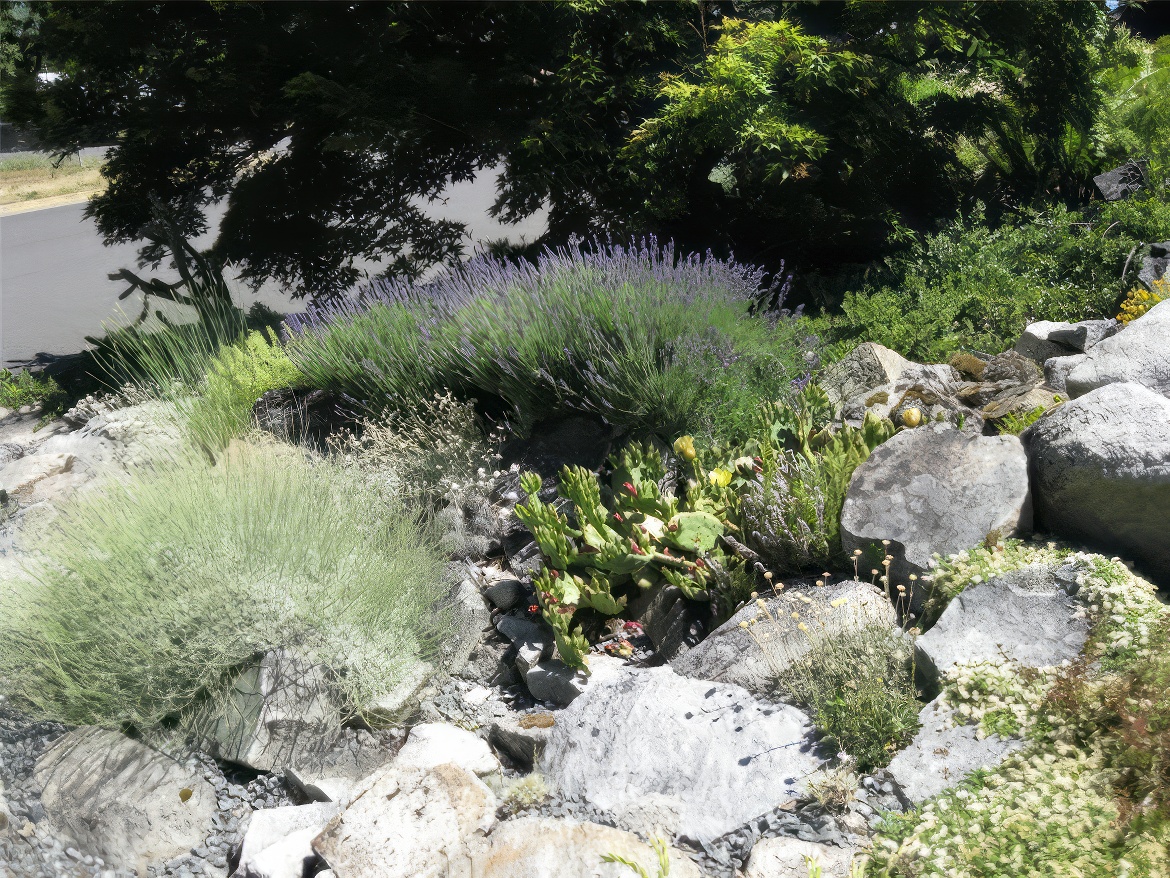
x=54 y=289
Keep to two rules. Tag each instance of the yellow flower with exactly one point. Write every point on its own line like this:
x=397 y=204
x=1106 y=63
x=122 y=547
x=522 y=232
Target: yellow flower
x=720 y=478
x=684 y=446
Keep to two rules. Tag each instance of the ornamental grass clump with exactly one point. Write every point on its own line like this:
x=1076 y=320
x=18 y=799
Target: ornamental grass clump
x=150 y=596
x=638 y=335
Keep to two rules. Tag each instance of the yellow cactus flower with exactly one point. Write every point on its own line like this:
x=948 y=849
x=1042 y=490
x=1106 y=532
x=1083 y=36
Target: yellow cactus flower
x=684 y=446
x=720 y=478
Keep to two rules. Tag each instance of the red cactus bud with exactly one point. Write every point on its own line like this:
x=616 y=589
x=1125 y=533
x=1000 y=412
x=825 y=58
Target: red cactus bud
x=630 y=487
x=617 y=516
x=553 y=574
x=534 y=608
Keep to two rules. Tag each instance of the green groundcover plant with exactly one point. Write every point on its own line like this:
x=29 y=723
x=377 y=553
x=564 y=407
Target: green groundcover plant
x=1088 y=794
x=638 y=335
x=148 y=596
x=976 y=285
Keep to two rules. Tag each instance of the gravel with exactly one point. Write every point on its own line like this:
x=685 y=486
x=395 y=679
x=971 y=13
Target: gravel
x=29 y=850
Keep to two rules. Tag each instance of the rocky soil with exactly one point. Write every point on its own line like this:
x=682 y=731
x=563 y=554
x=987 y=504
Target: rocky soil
x=513 y=764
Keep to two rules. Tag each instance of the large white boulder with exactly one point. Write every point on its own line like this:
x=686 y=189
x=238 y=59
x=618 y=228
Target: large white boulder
x=121 y=800
x=1140 y=353
x=410 y=824
x=432 y=744
x=533 y=847
x=666 y=754
x=1101 y=473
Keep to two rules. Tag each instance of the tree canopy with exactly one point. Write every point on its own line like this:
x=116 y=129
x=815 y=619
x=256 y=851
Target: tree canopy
x=814 y=132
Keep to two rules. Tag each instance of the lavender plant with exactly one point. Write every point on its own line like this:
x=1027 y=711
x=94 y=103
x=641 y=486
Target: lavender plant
x=639 y=335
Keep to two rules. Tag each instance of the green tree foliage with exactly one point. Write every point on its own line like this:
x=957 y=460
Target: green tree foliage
x=832 y=147
x=823 y=133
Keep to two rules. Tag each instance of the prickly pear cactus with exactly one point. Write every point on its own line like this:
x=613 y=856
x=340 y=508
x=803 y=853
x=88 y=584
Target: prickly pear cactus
x=627 y=536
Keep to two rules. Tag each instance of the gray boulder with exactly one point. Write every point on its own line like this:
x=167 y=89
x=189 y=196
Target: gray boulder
x=1140 y=353
x=1046 y=339
x=753 y=658
x=276 y=713
x=1101 y=473
x=121 y=800
x=943 y=753
x=1026 y=615
x=662 y=753
x=870 y=366
x=1056 y=371
x=1014 y=367
x=935 y=490
x=472 y=618
x=1154 y=264
x=1037 y=344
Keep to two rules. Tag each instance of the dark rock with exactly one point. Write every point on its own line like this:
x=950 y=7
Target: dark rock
x=506 y=593
x=308 y=416
x=576 y=440
x=1121 y=182
x=670 y=621
x=934 y=490
x=1013 y=366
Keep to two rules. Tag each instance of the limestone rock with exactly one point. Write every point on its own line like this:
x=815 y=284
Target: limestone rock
x=664 y=753
x=432 y=744
x=1020 y=401
x=1140 y=353
x=279 y=840
x=1101 y=473
x=1057 y=369
x=472 y=617
x=1012 y=366
x=1085 y=334
x=1037 y=342
x=275 y=712
x=752 y=659
x=934 y=489
x=871 y=366
x=942 y=754
x=1026 y=615
x=1122 y=181
x=24 y=472
x=122 y=800
x=409 y=823
x=786 y=857
x=534 y=847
